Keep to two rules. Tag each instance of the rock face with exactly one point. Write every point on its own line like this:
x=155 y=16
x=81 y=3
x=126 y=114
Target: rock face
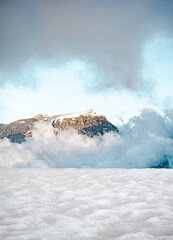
x=164 y=163
x=86 y=122
x=18 y=130
x=90 y=125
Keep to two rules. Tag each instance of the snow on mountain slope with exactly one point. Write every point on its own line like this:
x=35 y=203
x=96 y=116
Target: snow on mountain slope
x=72 y=115
x=43 y=117
x=85 y=122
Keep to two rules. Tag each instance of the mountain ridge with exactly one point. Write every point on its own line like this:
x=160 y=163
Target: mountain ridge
x=86 y=122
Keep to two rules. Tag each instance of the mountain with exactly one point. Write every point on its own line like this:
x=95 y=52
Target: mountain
x=18 y=130
x=86 y=122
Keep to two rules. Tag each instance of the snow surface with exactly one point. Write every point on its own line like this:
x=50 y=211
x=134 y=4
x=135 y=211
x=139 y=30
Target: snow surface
x=72 y=115
x=22 y=122
x=86 y=204
x=42 y=116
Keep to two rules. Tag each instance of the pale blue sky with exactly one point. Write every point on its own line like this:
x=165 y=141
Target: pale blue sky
x=63 y=89
x=115 y=57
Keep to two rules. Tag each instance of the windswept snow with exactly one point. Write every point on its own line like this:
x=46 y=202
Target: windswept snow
x=22 y=121
x=72 y=115
x=86 y=204
x=42 y=117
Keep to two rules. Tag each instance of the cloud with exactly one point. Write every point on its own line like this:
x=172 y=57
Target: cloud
x=109 y=35
x=143 y=142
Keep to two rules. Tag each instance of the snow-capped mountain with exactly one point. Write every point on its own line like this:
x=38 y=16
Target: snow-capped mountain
x=85 y=122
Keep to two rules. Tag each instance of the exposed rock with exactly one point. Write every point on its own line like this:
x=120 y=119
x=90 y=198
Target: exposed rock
x=18 y=130
x=16 y=138
x=43 y=117
x=89 y=125
x=2 y=129
x=86 y=122
x=164 y=163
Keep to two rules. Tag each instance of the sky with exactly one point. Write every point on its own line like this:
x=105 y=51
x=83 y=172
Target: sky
x=60 y=56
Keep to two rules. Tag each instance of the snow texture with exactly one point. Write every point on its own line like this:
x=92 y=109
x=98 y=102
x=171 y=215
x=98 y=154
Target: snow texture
x=86 y=204
x=42 y=116
x=72 y=115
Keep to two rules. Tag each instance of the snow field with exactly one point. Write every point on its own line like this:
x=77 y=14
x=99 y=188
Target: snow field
x=71 y=115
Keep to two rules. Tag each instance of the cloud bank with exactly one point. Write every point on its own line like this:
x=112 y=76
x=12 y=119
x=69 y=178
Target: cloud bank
x=145 y=141
x=109 y=35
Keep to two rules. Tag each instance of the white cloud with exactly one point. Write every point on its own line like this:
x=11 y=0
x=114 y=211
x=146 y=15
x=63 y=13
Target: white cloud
x=144 y=142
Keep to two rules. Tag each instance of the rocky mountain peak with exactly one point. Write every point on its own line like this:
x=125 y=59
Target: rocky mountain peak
x=61 y=117
x=85 y=122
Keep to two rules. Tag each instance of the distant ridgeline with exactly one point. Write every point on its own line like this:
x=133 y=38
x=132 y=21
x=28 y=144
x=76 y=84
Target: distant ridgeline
x=86 y=122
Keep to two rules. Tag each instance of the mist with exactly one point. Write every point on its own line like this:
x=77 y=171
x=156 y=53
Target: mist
x=109 y=36
x=145 y=141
